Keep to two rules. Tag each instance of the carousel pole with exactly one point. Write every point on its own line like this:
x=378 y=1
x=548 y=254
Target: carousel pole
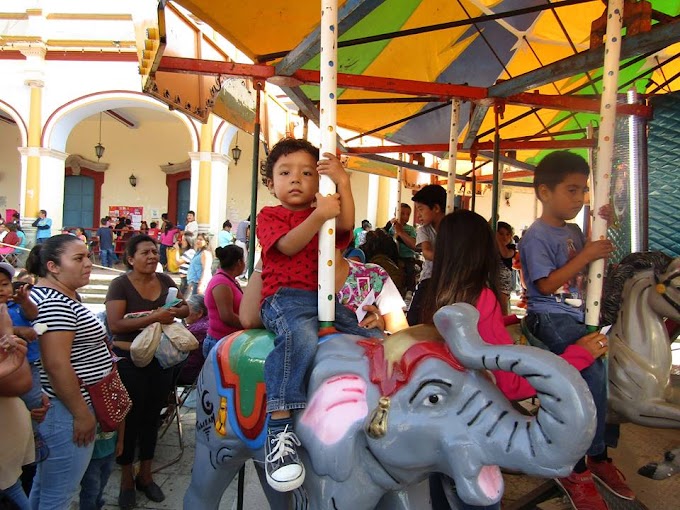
x=400 y=173
x=328 y=110
x=473 y=182
x=255 y=179
x=604 y=156
x=453 y=155
x=498 y=110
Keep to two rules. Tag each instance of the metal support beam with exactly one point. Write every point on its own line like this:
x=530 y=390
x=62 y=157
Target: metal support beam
x=661 y=36
x=349 y=15
x=404 y=164
x=475 y=124
x=515 y=163
x=391 y=85
x=308 y=109
x=504 y=145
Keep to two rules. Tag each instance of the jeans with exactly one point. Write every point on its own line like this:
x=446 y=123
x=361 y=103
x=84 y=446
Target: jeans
x=107 y=256
x=148 y=388
x=558 y=331
x=16 y=494
x=33 y=397
x=208 y=345
x=57 y=478
x=415 y=311
x=94 y=481
x=292 y=315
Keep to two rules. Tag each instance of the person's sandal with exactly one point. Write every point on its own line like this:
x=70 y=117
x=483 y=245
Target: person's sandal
x=151 y=491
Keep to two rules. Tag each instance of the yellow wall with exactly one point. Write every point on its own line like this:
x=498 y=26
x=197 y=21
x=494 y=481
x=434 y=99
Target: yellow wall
x=140 y=151
x=10 y=167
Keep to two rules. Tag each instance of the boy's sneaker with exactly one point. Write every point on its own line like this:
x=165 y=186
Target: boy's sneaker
x=581 y=491
x=284 y=469
x=608 y=475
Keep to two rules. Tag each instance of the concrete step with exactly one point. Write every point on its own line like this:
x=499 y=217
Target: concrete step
x=100 y=280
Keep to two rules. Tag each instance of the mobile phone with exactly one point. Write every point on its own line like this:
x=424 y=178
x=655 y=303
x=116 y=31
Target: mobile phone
x=173 y=303
x=17 y=285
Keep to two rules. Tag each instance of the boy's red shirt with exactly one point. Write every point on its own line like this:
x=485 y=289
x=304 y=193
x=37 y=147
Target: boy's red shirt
x=278 y=270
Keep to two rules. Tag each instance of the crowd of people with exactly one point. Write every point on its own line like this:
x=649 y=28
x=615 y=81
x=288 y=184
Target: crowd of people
x=52 y=347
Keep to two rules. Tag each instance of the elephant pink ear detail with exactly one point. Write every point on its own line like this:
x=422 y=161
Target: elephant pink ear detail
x=338 y=403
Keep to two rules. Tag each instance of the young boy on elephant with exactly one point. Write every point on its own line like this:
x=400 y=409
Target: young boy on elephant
x=288 y=234
x=554 y=256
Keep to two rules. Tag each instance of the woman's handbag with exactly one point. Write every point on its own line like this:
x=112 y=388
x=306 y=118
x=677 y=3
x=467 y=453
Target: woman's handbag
x=144 y=345
x=176 y=342
x=110 y=400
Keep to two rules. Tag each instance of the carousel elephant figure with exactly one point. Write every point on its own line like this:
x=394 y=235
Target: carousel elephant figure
x=383 y=415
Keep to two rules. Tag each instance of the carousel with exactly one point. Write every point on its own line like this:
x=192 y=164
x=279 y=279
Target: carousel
x=486 y=82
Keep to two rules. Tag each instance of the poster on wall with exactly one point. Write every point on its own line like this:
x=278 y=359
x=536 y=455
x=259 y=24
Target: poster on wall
x=135 y=213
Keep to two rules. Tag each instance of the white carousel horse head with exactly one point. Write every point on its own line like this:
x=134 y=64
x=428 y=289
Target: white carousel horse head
x=640 y=292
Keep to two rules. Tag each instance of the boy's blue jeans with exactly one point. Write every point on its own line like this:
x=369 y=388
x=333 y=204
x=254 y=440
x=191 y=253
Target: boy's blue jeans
x=558 y=331
x=107 y=256
x=292 y=315
x=94 y=481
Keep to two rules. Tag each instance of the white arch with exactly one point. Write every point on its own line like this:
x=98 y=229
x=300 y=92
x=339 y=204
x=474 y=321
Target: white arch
x=223 y=136
x=18 y=119
x=67 y=116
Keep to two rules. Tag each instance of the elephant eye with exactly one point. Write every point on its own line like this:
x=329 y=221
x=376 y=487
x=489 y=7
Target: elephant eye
x=434 y=399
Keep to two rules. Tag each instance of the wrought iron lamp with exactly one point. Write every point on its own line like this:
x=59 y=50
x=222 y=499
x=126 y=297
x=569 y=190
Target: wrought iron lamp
x=99 y=148
x=236 y=151
x=133 y=180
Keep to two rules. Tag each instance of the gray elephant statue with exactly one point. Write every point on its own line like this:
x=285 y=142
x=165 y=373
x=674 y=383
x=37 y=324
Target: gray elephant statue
x=642 y=290
x=382 y=416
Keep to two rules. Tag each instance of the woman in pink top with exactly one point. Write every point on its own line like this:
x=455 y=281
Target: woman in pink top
x=465 y=269
x=223 y=297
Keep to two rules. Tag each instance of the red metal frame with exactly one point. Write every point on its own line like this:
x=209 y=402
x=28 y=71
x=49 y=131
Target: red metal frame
x=505 y=145
x=392 y=86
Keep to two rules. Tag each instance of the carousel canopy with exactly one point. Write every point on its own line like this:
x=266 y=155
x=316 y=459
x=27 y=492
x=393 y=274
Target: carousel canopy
x=402 y=61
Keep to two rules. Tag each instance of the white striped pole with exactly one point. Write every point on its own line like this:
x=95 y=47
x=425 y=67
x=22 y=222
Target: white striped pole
x=453 y=155
x=328 y=120
x=604 y=155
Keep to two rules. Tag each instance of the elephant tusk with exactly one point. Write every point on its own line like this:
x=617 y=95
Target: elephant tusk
x=221 y=422
x=377 y=427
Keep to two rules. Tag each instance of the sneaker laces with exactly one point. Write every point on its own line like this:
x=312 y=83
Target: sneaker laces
x=283 y=445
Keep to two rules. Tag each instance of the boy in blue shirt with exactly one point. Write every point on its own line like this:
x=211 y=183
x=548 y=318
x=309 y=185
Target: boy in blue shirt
x=555 y=257
x=106 y=251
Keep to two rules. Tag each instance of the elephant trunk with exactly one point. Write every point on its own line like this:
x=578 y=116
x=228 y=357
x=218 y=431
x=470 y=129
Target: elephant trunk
x=548 y=444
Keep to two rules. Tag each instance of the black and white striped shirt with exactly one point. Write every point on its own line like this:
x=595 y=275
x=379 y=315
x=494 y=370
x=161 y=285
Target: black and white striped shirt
x=90 y=357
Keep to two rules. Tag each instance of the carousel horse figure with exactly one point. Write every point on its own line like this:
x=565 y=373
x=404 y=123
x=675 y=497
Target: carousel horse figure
x=639 y=293
x=382 y=416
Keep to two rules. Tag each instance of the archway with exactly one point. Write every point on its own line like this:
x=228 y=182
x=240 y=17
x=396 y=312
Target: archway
x=138 y=133
x=13 y=136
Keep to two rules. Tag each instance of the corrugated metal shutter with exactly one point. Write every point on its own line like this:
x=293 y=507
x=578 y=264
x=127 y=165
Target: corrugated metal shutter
x=664 y=175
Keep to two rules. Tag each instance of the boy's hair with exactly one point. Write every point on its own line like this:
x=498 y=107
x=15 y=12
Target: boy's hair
x=555 y=167
x=103 y=221
x=405 y=205
x=191 y=212
x=431 y=195
x=43 y=211
x=366 y=224
x=153 y=224
x=226 y=224
x=468 y=261
x=505 y=226
x=282 y=148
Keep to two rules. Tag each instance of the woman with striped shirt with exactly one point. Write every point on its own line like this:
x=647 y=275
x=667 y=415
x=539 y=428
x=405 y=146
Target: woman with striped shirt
x=73 y=348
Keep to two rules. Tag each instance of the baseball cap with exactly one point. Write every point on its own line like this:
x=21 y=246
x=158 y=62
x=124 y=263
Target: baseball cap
x=8 y=269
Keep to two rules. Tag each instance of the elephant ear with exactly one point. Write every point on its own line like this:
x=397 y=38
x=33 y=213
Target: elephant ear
x=329 y=425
